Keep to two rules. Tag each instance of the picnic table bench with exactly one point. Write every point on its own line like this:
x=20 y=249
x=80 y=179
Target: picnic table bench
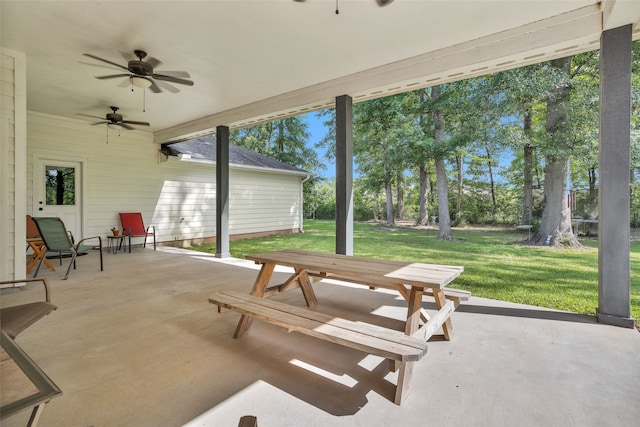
x=411 y=280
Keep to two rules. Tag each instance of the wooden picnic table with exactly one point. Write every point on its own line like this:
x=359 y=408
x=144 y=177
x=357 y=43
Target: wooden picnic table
x=412 y=280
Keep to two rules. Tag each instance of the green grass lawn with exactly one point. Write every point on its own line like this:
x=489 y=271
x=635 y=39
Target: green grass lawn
x=496 y=265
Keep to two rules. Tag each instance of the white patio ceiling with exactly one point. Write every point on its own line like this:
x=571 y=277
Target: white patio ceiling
x=264 y=59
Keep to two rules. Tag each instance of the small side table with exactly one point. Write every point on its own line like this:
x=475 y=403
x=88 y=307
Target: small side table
x=116 y=242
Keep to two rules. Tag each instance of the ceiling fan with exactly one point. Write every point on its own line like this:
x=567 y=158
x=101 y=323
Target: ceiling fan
x=141 y=74
x=115 y=119
x=380 y=3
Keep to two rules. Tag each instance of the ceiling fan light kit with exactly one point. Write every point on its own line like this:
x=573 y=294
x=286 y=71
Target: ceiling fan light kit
x=141 y=82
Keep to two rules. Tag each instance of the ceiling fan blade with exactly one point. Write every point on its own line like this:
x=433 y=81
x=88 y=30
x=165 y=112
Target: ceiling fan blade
x=172 y=79
x=128 y=56
x=105 y=60
x=167 y=86
x=108 y=67
x=155 y=88
x=88 y=115
x=384 y=2
x=154 y=62
x=131 y=122
x=177 y=74
x=112 y=76
x=124 y=125
x=99 y=123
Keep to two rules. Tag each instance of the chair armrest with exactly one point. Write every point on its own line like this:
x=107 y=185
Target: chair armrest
x=89 y=238
x=45 y=282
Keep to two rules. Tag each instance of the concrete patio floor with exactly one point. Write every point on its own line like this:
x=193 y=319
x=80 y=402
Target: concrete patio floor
x=140 y=345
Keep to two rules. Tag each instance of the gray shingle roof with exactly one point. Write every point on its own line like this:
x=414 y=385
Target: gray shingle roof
x=205 y=148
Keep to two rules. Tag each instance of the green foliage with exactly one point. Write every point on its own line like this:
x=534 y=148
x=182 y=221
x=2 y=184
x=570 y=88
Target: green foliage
x=488 y=118
x=320 y=202
x=284 y=140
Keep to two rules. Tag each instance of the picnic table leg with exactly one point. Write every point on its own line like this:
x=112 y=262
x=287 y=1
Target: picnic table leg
x=404 y=382
x=307 y=289
x=258 y=290
x=447 y=328
x=414 y=311
x=405 y=293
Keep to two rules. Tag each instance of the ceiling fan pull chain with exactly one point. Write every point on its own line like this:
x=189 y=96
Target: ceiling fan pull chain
x=337 y=8
x=144 y=101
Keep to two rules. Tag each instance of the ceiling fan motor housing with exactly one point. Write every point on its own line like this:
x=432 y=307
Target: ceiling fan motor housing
x=114 y=117
x=140 y=68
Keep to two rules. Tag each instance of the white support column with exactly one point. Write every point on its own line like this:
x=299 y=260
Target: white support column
x=614 y=282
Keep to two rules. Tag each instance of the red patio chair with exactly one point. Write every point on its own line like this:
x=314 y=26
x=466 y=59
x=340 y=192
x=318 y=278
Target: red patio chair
x=133 y=226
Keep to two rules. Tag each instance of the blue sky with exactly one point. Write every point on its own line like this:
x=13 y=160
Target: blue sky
x=318 y=131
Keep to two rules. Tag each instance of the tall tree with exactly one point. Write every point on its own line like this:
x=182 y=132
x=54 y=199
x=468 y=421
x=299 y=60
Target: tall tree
x=417 y=106
x=381 y=131
x=522 y=94
x=444 y=220
x=555 y=226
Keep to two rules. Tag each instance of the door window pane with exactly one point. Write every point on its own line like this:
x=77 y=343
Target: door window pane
x=60 y=184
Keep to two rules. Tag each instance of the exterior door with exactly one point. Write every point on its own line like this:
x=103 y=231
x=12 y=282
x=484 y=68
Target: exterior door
x=57 y=192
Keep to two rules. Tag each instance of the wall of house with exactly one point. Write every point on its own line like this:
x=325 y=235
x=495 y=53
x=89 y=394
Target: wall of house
x=12 y=164
x=128 y=174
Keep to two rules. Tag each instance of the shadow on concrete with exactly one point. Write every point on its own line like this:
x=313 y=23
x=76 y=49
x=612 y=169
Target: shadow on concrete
x=530 y=313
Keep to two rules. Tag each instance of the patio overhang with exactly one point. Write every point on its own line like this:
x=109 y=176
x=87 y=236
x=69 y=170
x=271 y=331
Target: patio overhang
x=558 y=36
x=262 y=60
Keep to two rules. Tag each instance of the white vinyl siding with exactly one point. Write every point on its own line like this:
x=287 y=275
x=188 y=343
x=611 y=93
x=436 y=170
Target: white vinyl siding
x=269 y=203
x=128 y=174
x=12 y=164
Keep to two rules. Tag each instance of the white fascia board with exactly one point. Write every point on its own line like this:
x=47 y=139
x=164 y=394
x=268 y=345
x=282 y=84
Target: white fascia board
x=617 y=13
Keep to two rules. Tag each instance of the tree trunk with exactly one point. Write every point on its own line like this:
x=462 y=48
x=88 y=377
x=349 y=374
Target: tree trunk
x=494 y=204
x=555 y=227
x=527 y=171
x=280 y=141
x=444 y=221
x=458 y=220
x=376 y=207
x=423 y=216
x=592 y=203
x=399 y=197
x=389 y=197
x=390 y=220
x=60 y=187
